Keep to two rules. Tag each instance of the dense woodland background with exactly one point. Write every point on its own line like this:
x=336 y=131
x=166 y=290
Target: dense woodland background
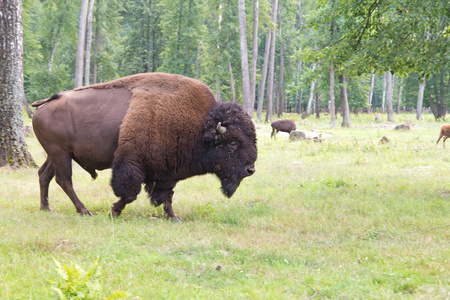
x=314 y=39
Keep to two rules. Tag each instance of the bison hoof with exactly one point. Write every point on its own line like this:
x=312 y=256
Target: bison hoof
x=47 y=208
x=114 y=212
x=84 y=212
x=177 y=219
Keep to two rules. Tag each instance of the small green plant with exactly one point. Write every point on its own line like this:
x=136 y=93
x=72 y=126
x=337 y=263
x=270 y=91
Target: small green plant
x=75 y=283
x=336 y=183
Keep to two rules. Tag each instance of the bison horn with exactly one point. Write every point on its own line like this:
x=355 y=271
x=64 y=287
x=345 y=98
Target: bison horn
x=220 y=129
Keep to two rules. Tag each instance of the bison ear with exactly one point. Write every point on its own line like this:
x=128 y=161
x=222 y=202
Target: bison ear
x=221 y=129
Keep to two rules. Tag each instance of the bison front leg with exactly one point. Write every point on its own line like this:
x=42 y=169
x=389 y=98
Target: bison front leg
x=163 y=196
x=126 y=183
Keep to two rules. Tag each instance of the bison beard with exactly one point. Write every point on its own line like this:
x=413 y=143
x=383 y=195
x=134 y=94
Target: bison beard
x=153 y=129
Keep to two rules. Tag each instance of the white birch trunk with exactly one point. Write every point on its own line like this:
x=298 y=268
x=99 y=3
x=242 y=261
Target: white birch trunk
x=87 y=65
x=332 y=101
x=254 y=52
x=389 y=96
x=383 y=100
x=246 y=92
x=263 y=78
x=344 y=101
x=270 y=82
x=81 y=44
x=399 y=102
x=13 y=149
x=420 y=99
x=372 y=82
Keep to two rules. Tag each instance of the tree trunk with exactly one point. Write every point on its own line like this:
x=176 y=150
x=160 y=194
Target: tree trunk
x=399 y=102
x=437 y=105
x=344 y=101
x=332 y=101
x=316 y=100
x=420 y=99
x=296 y=87
x=389 y=94
x=87 y=66
x=254 y=52
x=442 y=106
x=95 y=67
x=311 y=95
x=262 y=85
x=383 y=101
x=230 y=70
x=199 y=53
x=372 y=82
x=13 y=149
x=270 y=82
x=246 y=92
x=281 y=69
x=300 y=102
x=179 y=33
x=186 y=57
x=81 y=44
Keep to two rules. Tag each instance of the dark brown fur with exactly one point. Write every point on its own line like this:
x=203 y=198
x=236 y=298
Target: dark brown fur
x=444 y=132
x=151 y=128
x=282 y=125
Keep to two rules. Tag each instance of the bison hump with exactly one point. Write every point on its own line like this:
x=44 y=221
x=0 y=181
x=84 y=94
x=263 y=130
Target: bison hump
x=40 y=102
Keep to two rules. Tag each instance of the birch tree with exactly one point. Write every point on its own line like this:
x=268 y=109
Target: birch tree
x=372 y=82
x=246 y=92
x=422 y=84
x=254 y=52
x=87 y=65
x=399 y=101
x=332 y=101
x=81 y=44
x=269 y=111
x=389 y=96
x=262 y=84
x=13 y=149
x=344 y=101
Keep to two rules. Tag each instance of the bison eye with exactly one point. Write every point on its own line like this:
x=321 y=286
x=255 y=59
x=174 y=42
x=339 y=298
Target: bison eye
x=231 y=147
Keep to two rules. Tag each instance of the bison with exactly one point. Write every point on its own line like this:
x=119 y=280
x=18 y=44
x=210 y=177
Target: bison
x=282 y=125
x=153 y=129
x=444 y=132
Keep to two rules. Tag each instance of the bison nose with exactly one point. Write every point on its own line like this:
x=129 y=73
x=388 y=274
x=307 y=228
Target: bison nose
x=250 y=171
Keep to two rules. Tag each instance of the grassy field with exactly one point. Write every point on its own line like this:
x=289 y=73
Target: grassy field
x=342 y=219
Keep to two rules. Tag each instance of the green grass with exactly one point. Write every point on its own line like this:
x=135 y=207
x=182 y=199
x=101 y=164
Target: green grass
x=345 y=218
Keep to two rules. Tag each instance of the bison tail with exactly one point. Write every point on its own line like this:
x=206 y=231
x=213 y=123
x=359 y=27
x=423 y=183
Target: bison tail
x=40 y=102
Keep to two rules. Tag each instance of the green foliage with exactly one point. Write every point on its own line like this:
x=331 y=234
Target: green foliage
x=408 y=37
x=402 y=36
x=75 y=283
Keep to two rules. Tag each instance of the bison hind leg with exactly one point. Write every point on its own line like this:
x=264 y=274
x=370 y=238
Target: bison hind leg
x=46 y=173
x=163 y=195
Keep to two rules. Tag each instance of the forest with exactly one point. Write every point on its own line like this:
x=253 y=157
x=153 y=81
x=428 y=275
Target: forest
x=294 y=56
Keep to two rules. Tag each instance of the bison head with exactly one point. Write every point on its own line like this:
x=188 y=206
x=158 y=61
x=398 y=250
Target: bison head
x=230 y=145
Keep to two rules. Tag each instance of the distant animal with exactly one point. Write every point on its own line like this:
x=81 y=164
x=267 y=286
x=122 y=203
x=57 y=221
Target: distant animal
x=153 y=129
x=444 y=132
x=282 y=125
x=402 y=127
x=384 y=140
x=297 y=135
